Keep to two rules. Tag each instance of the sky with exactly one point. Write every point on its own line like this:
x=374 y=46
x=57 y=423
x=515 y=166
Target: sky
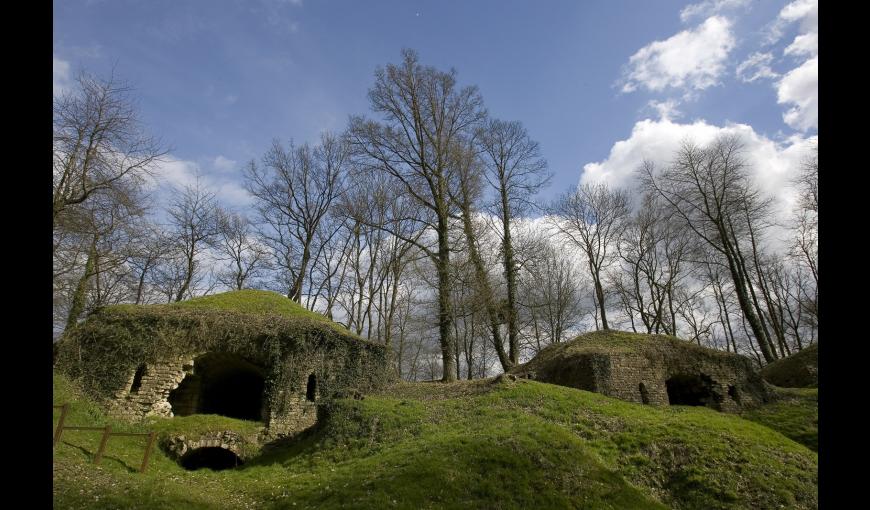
x=601 y=85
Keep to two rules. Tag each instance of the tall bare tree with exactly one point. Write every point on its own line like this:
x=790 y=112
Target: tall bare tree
x=709 y=190
x=516 y=171
x=295 y=189
x=468 y=192
x=193 y=218
x=593 y=218
x=551 y=293
x=423 y=114
x=99 y=143
x=237 y=246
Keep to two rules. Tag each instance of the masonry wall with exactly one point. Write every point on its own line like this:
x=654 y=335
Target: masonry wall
x=642 y=376
x=286 y=408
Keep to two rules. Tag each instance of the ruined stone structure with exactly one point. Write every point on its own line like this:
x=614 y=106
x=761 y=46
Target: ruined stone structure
x=168 y=360
x=649 y=369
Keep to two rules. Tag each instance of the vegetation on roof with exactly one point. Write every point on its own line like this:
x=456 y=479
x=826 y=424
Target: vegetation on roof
x=800 y=370
x=616 y=342
x=520 y=444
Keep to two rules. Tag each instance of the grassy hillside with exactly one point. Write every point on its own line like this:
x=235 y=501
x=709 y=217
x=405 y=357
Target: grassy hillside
x=794 y=413
x=515 y=444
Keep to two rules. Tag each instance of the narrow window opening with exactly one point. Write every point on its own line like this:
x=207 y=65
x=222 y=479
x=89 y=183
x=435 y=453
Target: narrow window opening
x=137 y=379
x=311 y=390
x=732 y=392
x=644 y=394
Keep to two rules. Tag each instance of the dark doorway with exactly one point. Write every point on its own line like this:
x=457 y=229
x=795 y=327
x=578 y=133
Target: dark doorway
x=311 y=390
x=692 y=390
x=222 y=384
x=212 y=457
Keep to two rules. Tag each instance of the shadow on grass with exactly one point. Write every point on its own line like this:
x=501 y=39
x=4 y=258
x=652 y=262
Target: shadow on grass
x=284 y=449
x=91 y=454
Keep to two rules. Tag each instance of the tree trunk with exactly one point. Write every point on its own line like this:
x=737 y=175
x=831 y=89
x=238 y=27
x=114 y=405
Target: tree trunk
x=510 y=272
x=77 y=305
x=442 y=265
x=599 y=296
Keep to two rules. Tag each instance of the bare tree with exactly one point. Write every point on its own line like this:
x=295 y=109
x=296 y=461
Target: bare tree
x=423 y=115
x=193 y=217
x=516 y=171
x=99 y=143
x=294 y=191
x=655 y=252
x=593 y=218
x=709 y=191
x=468 y=192
x=147 y=250
x=551 y=294
x=237 y=246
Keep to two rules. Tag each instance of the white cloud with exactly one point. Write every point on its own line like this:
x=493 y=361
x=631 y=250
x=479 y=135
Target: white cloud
x=691 y=59
x=709 y=8
x=179 y=173
x=772 y=164
x=667 y=110
x=800 y=88
x=756 y=66
x=804 y=11
x=60 y=76
x=223 y=164
x=804 y=44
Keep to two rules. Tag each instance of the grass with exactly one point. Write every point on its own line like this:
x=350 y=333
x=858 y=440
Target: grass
x=249 y=301
x=480 y=444
x=257 y=302
x=794 y=413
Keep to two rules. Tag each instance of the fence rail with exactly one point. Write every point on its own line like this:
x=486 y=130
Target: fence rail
x=107 y=433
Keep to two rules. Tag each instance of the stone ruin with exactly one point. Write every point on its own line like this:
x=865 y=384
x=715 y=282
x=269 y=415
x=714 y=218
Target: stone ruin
x=650 y=369
x=158 y=360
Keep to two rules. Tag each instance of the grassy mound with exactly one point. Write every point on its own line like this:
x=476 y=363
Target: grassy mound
x=481 y=444
x=258 y=302
x=794 y=413
x=612 y=341
x=800 y=370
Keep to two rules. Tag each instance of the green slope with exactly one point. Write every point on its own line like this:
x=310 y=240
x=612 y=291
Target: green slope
x=521 y=444
x=794 y=413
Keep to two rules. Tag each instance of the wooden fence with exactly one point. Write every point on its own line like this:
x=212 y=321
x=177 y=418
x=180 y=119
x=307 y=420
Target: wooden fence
x=107 y=433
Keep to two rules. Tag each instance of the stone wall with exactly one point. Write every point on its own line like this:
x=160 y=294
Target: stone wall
x=734 y=384
x=286 y=408
x=152 y=396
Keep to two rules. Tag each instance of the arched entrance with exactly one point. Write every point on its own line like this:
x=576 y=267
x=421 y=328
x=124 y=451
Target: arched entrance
x=211 y=457
x=223 y=384
x=692 y=390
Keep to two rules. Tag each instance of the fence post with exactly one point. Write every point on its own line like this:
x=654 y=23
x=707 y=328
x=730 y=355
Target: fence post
x=151 y=437
x=59 y=430
x=106 y=433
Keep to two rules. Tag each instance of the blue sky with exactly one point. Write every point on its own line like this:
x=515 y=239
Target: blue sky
x=599 y=84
